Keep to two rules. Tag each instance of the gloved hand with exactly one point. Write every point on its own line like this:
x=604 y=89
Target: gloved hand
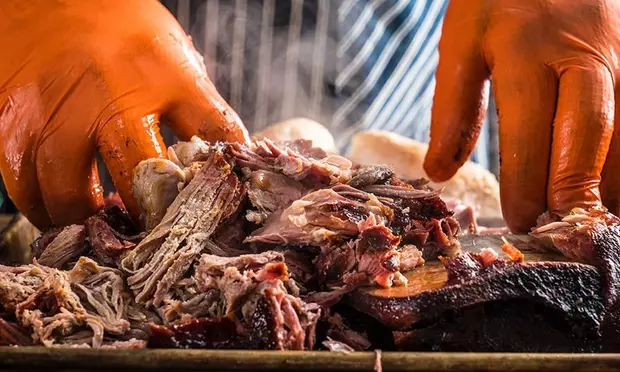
x=80 y=76
x=555 y=69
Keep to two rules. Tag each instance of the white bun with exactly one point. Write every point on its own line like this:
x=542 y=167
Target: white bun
x=472 y=184
x=300 y=128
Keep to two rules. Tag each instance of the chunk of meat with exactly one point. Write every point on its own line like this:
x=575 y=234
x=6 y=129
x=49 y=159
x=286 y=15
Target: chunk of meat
x=375 y=256
x=572 y=235
x=201 y=333
x=156 y=183
x=367 y=175
x=270 y=318
x=254 y=292
x=266 y=155
x=39 y=245
x=183 y=154
x=465 y=215
x=562 y=289
x=590 y=236
x=269 y=192
x=321 y=217
x=66 y=247
x=105 y=246
x=236 y=277
x=278 y=320
x=166 y=254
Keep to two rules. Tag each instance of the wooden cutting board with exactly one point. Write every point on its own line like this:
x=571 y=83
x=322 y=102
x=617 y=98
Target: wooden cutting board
x=432 y=274
x=400 y=307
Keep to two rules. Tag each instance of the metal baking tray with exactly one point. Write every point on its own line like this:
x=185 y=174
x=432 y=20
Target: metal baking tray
x=54 y=359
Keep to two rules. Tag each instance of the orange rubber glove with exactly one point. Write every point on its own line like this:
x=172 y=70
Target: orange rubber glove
x=555 y=69
x=78 y=76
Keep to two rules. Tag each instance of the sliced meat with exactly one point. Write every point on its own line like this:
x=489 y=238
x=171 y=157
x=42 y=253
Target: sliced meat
x=156 y=183
x=563 y=289
x=66 y=247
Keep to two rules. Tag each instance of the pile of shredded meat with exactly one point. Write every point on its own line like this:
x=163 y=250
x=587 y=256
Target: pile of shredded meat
x=242 y=246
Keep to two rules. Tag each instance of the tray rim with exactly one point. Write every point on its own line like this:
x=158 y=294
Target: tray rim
x=22 y=358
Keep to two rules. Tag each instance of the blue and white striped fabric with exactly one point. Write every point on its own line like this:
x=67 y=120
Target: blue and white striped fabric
x=350 y=64
x=388 y=56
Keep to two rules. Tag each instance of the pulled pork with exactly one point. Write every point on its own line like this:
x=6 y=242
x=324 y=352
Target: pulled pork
x=247 y=245
x=168 y=252
x=84 y=306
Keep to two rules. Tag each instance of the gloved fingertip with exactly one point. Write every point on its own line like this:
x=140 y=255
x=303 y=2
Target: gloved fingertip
x=437 y=169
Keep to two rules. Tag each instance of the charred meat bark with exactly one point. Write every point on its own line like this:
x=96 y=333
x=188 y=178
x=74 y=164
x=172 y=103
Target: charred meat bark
x=200 y=333
x=476 y=280
x=591 y=236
